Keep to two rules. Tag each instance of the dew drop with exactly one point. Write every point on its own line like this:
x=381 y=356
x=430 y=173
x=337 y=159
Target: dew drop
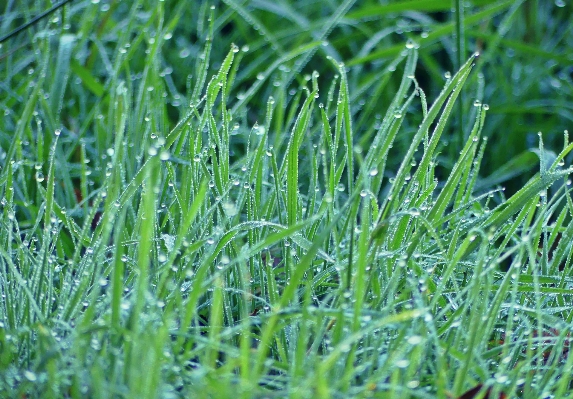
x=30 y=376
x=414 y=340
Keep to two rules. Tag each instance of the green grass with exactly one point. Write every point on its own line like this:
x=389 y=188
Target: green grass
x=286 y=199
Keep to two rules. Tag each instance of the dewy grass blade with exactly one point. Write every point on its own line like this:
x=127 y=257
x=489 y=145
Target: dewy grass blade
x=452 y=88
x=62 y=73
x=343 y=116
x=291 y=159
x=462 y=165
x=146 y=216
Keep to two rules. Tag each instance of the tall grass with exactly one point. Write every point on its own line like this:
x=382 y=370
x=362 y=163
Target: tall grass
x=261 y=229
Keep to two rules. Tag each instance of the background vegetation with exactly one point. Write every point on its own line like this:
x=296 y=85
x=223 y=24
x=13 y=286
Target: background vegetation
x=287 y=198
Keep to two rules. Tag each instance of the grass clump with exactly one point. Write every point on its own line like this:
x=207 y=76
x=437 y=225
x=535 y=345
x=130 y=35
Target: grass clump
x=253 y=231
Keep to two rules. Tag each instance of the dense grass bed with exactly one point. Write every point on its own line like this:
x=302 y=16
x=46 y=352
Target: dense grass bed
x=286 y=199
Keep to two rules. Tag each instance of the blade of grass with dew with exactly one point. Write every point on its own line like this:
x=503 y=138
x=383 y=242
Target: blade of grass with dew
x=463 y=164
x=453 y=87
x=290 y=165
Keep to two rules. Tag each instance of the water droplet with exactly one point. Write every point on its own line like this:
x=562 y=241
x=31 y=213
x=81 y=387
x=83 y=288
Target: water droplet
x=413 y=384
x=28 y=374
x=152 y=151
x=164 y=155
x=230 y=208
x=414 y=340
x=448 y=75
x=477 y=103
